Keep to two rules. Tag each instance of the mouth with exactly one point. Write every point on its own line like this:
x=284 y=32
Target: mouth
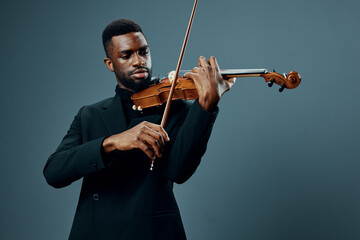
x=140 y=73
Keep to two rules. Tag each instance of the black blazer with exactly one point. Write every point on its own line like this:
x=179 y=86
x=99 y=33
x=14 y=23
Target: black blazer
x=120 y=198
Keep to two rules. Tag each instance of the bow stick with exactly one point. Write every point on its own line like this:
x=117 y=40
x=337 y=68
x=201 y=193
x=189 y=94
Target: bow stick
x=171 y=93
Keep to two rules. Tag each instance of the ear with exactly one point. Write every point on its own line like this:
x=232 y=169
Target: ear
x=109 y=64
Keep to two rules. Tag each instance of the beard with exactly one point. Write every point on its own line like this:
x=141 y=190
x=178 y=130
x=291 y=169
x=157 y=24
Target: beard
x=136 y=86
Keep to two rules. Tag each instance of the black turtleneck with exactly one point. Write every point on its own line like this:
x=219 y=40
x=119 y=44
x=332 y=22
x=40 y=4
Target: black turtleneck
x=127 y=104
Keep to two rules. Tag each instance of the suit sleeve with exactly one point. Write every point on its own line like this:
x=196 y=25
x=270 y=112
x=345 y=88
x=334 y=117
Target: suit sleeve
x=73 y=159
x=189 y=144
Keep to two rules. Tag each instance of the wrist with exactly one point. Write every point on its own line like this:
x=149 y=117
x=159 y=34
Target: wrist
x=207 y=104
x=108 y=145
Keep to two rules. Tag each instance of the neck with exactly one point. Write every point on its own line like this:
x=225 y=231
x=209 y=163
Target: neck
x=123 y=87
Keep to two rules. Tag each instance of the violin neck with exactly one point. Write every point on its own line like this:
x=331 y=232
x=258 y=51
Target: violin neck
x=229 y=73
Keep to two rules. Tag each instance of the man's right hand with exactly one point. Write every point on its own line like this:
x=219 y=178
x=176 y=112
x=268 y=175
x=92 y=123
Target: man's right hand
x=146 y=136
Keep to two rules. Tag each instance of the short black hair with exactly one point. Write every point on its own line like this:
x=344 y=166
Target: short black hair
x=118 y=27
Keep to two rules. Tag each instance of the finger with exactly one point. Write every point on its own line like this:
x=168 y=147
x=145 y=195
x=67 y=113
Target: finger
x=158 y=129
x=147 y=150
x=152 y=144
x=195 y=70
x=191 y=75
x=231 y=80
x=145 y=133
x=202 y=62
x=154 y=135
x=213 y=63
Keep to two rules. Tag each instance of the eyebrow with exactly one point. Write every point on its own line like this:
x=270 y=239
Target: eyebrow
x=130 y=51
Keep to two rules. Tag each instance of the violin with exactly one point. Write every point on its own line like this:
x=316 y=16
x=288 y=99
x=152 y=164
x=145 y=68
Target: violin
x=185 y=88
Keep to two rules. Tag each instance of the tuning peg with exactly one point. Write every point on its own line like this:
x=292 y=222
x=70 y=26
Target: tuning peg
x=134 y=107
x=274 y=70
x=285 y=75
x=282 y=88
x=271 y=82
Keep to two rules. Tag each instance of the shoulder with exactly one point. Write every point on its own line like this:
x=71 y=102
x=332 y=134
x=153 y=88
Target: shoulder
x=101 y=104
x=96 y=107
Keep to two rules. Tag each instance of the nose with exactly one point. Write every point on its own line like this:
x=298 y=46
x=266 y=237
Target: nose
x=138 y=60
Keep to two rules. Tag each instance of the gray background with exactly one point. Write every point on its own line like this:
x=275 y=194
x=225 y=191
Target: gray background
x=278 y=166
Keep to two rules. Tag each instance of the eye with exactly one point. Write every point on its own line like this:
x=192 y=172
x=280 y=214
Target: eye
x=125 y=56
x=144 y=52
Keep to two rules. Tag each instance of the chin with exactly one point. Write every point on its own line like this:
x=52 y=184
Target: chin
x=139 y=80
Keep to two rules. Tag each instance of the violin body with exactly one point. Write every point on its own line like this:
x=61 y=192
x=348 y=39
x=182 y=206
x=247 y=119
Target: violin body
x=158 y=94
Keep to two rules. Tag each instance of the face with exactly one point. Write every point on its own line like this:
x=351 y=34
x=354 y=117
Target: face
x=130 y=60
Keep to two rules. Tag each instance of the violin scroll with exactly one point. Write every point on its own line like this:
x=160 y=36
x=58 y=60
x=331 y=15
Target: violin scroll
x=289 y=81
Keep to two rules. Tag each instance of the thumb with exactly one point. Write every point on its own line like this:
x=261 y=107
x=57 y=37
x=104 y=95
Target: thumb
x=231 y=81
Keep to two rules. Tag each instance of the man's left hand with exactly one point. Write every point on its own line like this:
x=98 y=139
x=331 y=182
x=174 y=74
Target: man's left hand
x=209 y=82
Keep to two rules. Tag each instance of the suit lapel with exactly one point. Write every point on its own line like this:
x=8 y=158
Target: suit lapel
x=113 y=116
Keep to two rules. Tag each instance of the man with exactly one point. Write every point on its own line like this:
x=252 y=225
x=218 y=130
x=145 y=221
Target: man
x=111 y=146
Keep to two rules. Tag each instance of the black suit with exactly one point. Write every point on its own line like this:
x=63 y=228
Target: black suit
x=120 y=198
